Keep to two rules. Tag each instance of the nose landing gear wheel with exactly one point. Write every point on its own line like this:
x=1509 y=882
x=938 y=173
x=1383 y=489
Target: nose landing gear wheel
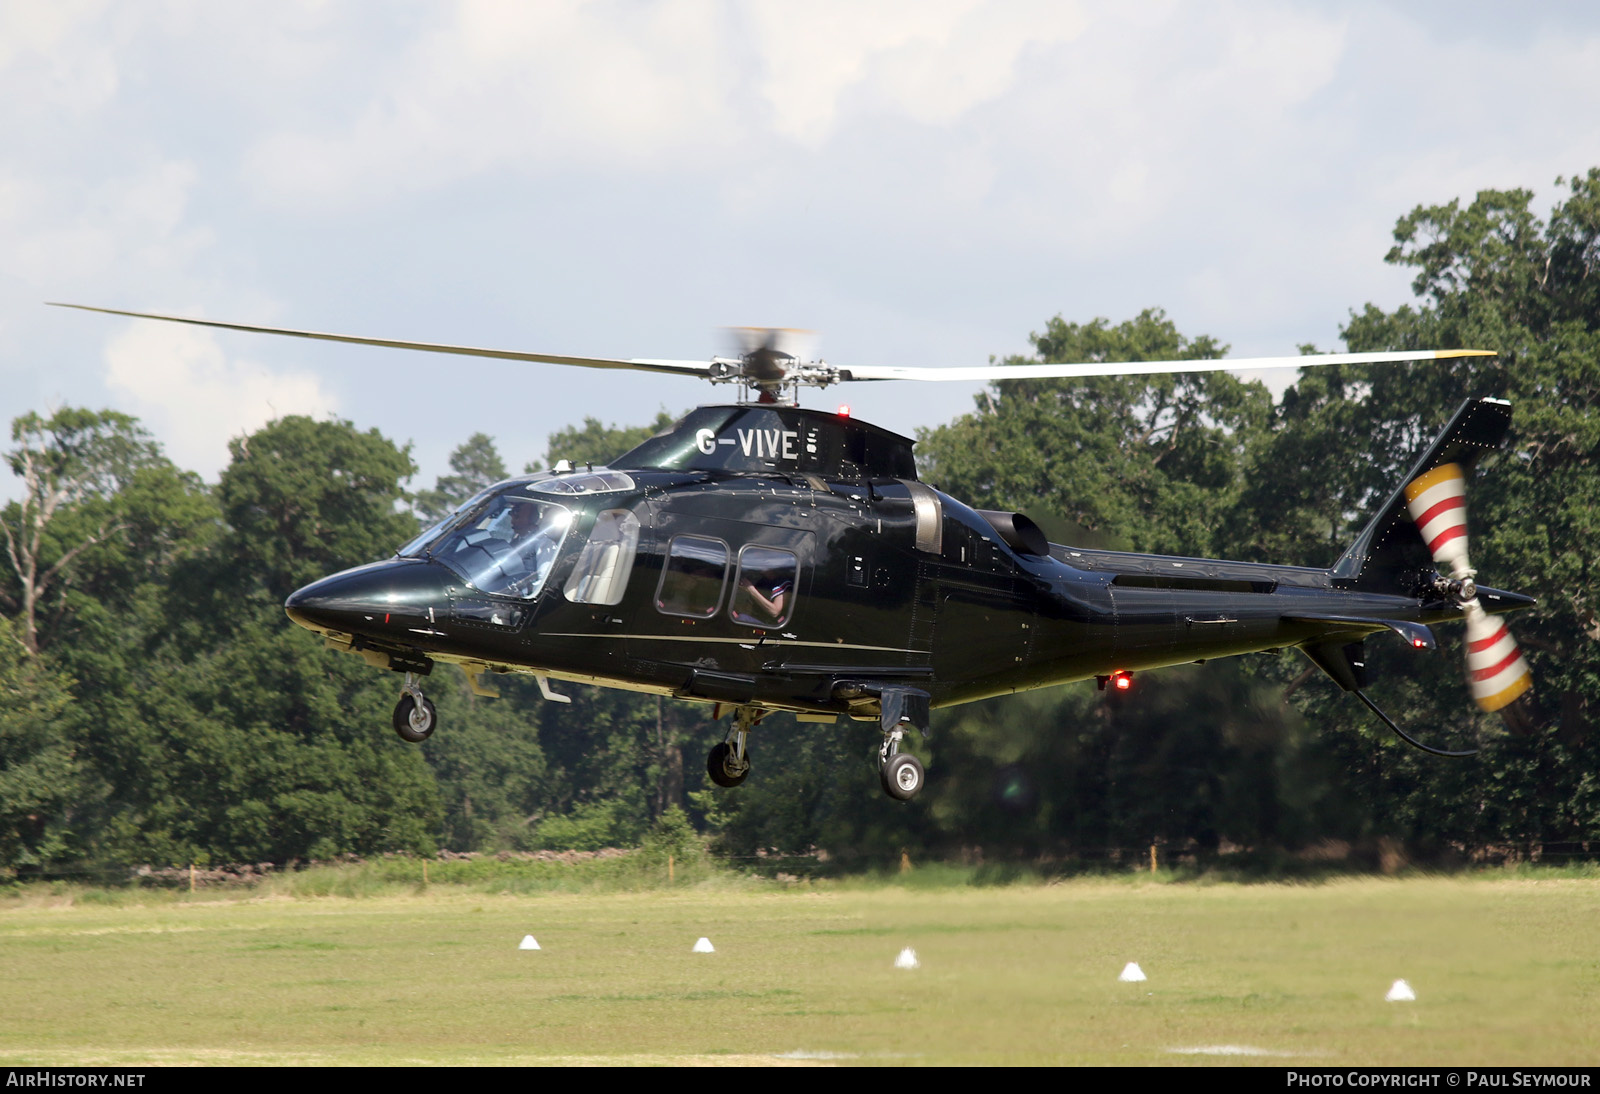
x=725 y=768
x=902 y=776
x=414 y=723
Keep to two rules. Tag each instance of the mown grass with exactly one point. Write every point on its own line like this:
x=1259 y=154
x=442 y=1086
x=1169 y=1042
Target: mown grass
x=1506 y=969
x=688 y=866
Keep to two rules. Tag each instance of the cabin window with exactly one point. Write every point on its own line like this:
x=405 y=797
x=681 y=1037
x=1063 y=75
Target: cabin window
x=692 y=580
x=763 y=592
x=600 y=576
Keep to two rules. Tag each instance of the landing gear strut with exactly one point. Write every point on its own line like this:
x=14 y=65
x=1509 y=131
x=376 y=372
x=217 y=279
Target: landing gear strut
x=900 y=708
x=900 y=772
x=729 y=762
x=414 y=716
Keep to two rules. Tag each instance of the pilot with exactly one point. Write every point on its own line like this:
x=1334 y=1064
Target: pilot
x=534 y=544
x=524 y=518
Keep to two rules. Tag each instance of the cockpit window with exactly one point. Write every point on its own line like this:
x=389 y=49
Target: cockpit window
x=418 y=547
x=600 y=576
x=506 y=544
x=604 y=481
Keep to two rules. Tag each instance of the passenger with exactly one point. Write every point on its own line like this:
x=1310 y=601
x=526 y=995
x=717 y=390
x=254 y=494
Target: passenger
x=770 y=603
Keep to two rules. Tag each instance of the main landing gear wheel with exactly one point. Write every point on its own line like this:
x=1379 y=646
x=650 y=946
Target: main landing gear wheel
x=413 y=721
x=725 y=767
x=902 y=776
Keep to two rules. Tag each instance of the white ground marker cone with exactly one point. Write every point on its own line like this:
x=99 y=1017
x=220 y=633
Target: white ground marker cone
x=907 y=959
x=528 y=943
x=1131 y=973
x=704 y=946
x=1401 y=993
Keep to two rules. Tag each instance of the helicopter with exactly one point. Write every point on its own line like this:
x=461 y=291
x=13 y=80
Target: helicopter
x=759 y=557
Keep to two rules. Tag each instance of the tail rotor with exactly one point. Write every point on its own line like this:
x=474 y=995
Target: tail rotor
x=1497 y=672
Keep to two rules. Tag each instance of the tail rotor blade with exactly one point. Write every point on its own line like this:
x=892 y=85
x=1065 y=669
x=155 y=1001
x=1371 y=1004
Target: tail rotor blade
x=1497 y=672
x=1438 y=505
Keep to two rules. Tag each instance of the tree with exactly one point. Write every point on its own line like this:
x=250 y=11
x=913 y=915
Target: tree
x=72 y=459
x=1154 y=460
x=219 y=729
x=494 y=782
x=304 y=499
x=41 y=779
x=596 y=443
x=476 y=464
x=1490 y=274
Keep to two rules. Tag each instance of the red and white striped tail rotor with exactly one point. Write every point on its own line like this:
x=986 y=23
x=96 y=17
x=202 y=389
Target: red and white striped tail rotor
x=1496 y=669
x=1438 y=504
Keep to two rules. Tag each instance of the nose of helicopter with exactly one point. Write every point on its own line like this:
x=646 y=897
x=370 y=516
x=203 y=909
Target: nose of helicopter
x=369 y=599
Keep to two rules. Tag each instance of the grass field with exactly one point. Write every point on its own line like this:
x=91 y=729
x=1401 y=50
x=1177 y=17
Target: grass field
x=1506 y=970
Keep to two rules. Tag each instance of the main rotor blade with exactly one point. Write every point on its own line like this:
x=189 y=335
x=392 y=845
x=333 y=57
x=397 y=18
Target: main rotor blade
x=643 y=364
x=825 y=374
x=1144 y=368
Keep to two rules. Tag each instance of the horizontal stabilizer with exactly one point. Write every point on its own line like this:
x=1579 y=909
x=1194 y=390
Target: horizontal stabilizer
x=1351 y=627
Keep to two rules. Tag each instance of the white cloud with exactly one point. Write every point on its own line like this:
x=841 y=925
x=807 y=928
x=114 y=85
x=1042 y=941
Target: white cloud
x=194 y=399
x=924 y=180
x=931 y=60
x=541 y=88
x=1152 y=107
x=689 y=87
x=47 y=41
x=59 y=231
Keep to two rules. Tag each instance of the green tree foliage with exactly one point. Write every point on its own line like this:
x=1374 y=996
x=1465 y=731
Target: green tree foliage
x=617 y=762
x=1151 y=460
x=816 y=786
x=476 y=464
x=1490 y=274
x=41 y=780
x=72 y=466
x=304 y=498
x=596 y=443
x=267 y=748
x=1192 y=756
x=494 y=781
x=279 y=752
x=160 y=707
x=204 y=725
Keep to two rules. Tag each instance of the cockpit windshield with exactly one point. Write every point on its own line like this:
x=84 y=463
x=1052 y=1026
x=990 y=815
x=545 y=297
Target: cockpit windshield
x=503 y=542
x=417 y=548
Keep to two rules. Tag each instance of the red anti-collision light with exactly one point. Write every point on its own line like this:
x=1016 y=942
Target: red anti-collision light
x=1122 y=681
x=844 y=410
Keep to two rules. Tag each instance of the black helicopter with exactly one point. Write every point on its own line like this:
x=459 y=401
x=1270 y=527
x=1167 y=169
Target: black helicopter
x=761 y=557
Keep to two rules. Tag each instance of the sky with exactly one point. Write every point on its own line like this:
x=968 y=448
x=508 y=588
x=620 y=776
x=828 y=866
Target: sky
x=918 y=183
